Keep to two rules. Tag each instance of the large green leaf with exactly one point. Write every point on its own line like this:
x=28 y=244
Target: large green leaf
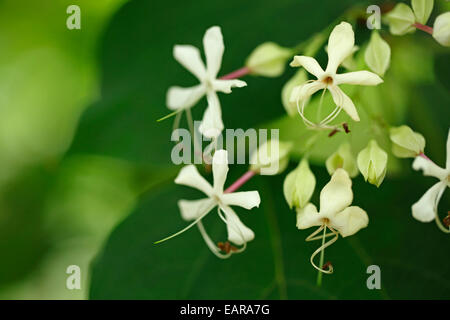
x=412 y=255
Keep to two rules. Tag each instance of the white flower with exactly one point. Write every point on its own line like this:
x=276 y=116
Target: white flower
x=196 y=210
x=183 y=98
x=340 y=46
x=425 y=210
x=335 y=211
x=335 y=214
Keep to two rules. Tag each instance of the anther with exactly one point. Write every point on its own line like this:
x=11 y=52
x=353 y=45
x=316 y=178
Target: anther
x=226 y=247
x=345 y=126
x=327 y=266
x=333 y=132
x=446 y=220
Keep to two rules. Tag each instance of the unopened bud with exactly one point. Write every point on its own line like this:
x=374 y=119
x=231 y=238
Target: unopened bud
x=372 y=163
x=271 y=157
x=405 y=142
x=342 y=158
x=268 y=60
x=299 y=185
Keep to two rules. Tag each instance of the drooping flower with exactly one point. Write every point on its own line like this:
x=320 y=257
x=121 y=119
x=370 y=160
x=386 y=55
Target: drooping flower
x=184 y=98
x=335 y=213
x=196 y=210
x=425 y=210
x=340 y=46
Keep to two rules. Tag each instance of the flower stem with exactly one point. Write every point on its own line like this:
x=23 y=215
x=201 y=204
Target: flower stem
x=423 y=27
x=236 y=74
x=322 y=255
x=239 y=182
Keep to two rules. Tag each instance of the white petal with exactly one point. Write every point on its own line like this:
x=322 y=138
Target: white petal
x=238 y=232
x=364 y=78
x=306 y=90
x=448 y=151
x=429 y=168
x=244 y=199
x=308 y=217
x=178 y=97
x=425 y=209
x=340 y=45
x=343 y=101
x=212 y=125
x=189 y=57
x=220 y=170
x=189 y=176
x=214 y=47
x=349 y=221
x=337 y=194
x=310 y=64
x=193 y=209
x=226 y=85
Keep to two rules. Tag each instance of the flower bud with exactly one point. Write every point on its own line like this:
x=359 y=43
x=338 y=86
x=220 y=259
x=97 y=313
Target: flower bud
x=378 y=54
x=372 y=163
x=268 y=59
x=401 y=19
x=405 y=142
x=271 y=157
x=422 y=9
x=299 y=185
x=441 y=29
x=287 y=96
x=342 y=158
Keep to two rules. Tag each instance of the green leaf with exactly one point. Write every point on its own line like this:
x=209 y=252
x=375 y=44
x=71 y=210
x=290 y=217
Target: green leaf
x=276 y=263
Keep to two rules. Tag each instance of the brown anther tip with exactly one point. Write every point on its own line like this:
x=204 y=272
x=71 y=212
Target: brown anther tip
x=446 y=220
x=226 y=247
x=332 y=133
x=345 y=126
x=208 y=168
x=327 y=266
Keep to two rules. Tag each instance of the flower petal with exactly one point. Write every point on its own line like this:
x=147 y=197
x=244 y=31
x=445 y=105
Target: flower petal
x=364 y=78
x=429 y=168
x=349 y=221
x=193 y=209
x=178 y=97
x=340 y=45
x=337 y=194
x=212 y=125
x=343 y=101
x=425 y=209
x=308 y=217
x=189 y=57
x=238 y=233
x=305 y=91
x=226 y=85
x=310 y=64
x=214 y=47
x=189 y=176
x=220 y=170
x=244 y=199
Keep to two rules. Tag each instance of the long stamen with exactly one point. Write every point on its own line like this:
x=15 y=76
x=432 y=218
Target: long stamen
x=210 y=243
x=225 y=220
x=170 y=115
x=322 y=247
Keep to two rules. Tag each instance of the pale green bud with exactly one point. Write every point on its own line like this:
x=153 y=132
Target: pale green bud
x=441 y=29
x=268 y=59
x=405 y=142
x=422 y=9
x=372 y=163
x=271 y=157
x=342 y=158
x=290 y=104
x=299 y=185
x=378 y=54
x=401 y=19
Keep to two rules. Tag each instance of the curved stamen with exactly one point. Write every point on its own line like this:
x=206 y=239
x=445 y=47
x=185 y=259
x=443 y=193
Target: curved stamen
x=322 y=247
x=438 y=221
x=211 y=245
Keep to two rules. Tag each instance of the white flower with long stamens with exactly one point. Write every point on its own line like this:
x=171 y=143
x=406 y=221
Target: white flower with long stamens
x=179 y=98
x=335 y=213
x=425 y=210
x=196 y=210
x=340 y=46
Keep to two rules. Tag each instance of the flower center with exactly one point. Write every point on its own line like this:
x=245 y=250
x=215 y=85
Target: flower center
x=325 y=221
x=328 y=80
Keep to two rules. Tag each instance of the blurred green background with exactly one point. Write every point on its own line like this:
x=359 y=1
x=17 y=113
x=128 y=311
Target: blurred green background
x=86 y=177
